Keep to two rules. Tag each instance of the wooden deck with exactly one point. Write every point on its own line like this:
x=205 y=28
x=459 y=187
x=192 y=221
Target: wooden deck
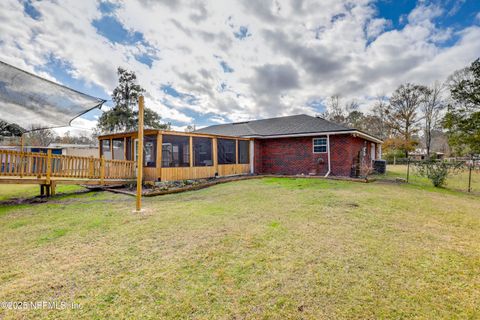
x=48 y=170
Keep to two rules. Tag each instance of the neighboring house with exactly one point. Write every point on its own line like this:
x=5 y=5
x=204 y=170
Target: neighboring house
x=293 y=145
x=302 y=144
x=421 y=154
x=81 y=150
x=70 y=149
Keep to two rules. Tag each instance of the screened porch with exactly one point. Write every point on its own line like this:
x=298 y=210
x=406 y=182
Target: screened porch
x=171 y=155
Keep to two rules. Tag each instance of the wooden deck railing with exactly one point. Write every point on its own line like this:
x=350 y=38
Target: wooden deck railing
x=41 y=165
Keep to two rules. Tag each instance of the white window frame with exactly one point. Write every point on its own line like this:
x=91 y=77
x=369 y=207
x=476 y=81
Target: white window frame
x=325 y=145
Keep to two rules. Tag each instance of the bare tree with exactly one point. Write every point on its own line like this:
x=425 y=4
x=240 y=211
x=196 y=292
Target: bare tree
x=403 y=115
x=39 y=137
x=334 y=111
x=377 y=122
x=432 y=108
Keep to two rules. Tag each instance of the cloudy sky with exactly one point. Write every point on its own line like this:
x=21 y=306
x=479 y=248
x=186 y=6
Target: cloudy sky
x=208 y=62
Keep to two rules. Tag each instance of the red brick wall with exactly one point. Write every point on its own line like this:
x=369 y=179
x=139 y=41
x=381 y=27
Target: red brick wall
x=295 y=155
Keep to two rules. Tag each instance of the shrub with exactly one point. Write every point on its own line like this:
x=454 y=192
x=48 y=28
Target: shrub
x=436 y=171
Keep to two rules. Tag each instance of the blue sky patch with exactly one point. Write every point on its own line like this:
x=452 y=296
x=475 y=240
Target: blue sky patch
x=226 y=68
x=107 y=7
x=146 y=59
x=317 y=105
x=113 y=30
x=171 y=91
x=30 y=10
x=242 y=33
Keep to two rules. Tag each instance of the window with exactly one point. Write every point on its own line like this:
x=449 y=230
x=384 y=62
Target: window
x=319 y=145
x=202 y=152
x=226 y=151
x=243 y=151
x=175 y=151
x=149 y=151
x=118 y=149
x=106 y=151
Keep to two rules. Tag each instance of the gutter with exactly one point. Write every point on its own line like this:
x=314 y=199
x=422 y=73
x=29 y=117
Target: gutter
x=328 y=155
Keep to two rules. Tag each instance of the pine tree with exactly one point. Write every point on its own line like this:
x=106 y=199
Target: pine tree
x=124 y=116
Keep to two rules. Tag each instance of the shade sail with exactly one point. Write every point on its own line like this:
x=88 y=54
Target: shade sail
x=33 y=102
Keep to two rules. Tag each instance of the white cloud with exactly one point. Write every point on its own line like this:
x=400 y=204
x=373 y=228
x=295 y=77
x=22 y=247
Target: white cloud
x=297 y=51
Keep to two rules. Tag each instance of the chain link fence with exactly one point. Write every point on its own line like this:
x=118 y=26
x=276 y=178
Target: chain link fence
x=463 y=173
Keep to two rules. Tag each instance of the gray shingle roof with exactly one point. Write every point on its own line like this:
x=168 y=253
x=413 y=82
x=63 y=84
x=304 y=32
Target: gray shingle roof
x=275 y=126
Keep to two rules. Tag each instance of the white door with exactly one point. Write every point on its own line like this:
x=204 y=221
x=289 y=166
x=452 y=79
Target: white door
x=372 y=151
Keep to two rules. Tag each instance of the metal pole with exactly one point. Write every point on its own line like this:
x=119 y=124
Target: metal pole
x=140 y=153
x=470 y=175
x=408 y=169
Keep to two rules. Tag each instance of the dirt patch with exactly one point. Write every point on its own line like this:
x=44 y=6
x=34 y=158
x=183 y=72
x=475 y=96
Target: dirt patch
x=40 y=200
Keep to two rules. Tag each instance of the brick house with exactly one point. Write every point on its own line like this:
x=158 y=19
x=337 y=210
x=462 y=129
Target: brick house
x=302 y=144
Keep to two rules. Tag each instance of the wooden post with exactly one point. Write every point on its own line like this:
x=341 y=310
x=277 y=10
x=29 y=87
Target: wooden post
x=408 y=169
x=470 y=174
x=215 y=155
x=49 y=166
x=21 y=155
x=236 y=151
x=52 y=187
x=159 y=155
x=102 y=169
x=140 y=154
x=111 y=149
x=191 y=151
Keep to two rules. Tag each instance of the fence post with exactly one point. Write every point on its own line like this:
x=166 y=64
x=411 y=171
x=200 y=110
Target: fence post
x=408 y=169
x=470 y=174
x=102 y=169
x=49 y=166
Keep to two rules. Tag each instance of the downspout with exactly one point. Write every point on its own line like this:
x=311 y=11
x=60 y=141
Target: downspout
x=328 y=155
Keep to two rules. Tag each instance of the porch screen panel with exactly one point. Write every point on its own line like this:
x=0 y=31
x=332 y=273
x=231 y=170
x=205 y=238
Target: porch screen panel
x=106 y=149
x=243 y=151
x=175 y=151
x=226 y=151
x=118 y=149
x=150 y=151
x=202 y=152
x=129 y=148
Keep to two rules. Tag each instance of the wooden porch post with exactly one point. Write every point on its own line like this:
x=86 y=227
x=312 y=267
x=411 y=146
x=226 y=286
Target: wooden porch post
x=159 y=155
x=215 y=154
x=236 y=151
x=49 y=166
x=140 y=154
x=191 y=151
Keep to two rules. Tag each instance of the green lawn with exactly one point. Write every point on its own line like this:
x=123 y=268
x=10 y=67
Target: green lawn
x=265 y=248
x=458 y=181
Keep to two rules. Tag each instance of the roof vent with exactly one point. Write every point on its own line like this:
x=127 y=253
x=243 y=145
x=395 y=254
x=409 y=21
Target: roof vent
x=234 y=123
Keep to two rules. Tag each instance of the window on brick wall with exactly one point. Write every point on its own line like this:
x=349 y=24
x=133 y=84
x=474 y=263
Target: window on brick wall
x=320 y=145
